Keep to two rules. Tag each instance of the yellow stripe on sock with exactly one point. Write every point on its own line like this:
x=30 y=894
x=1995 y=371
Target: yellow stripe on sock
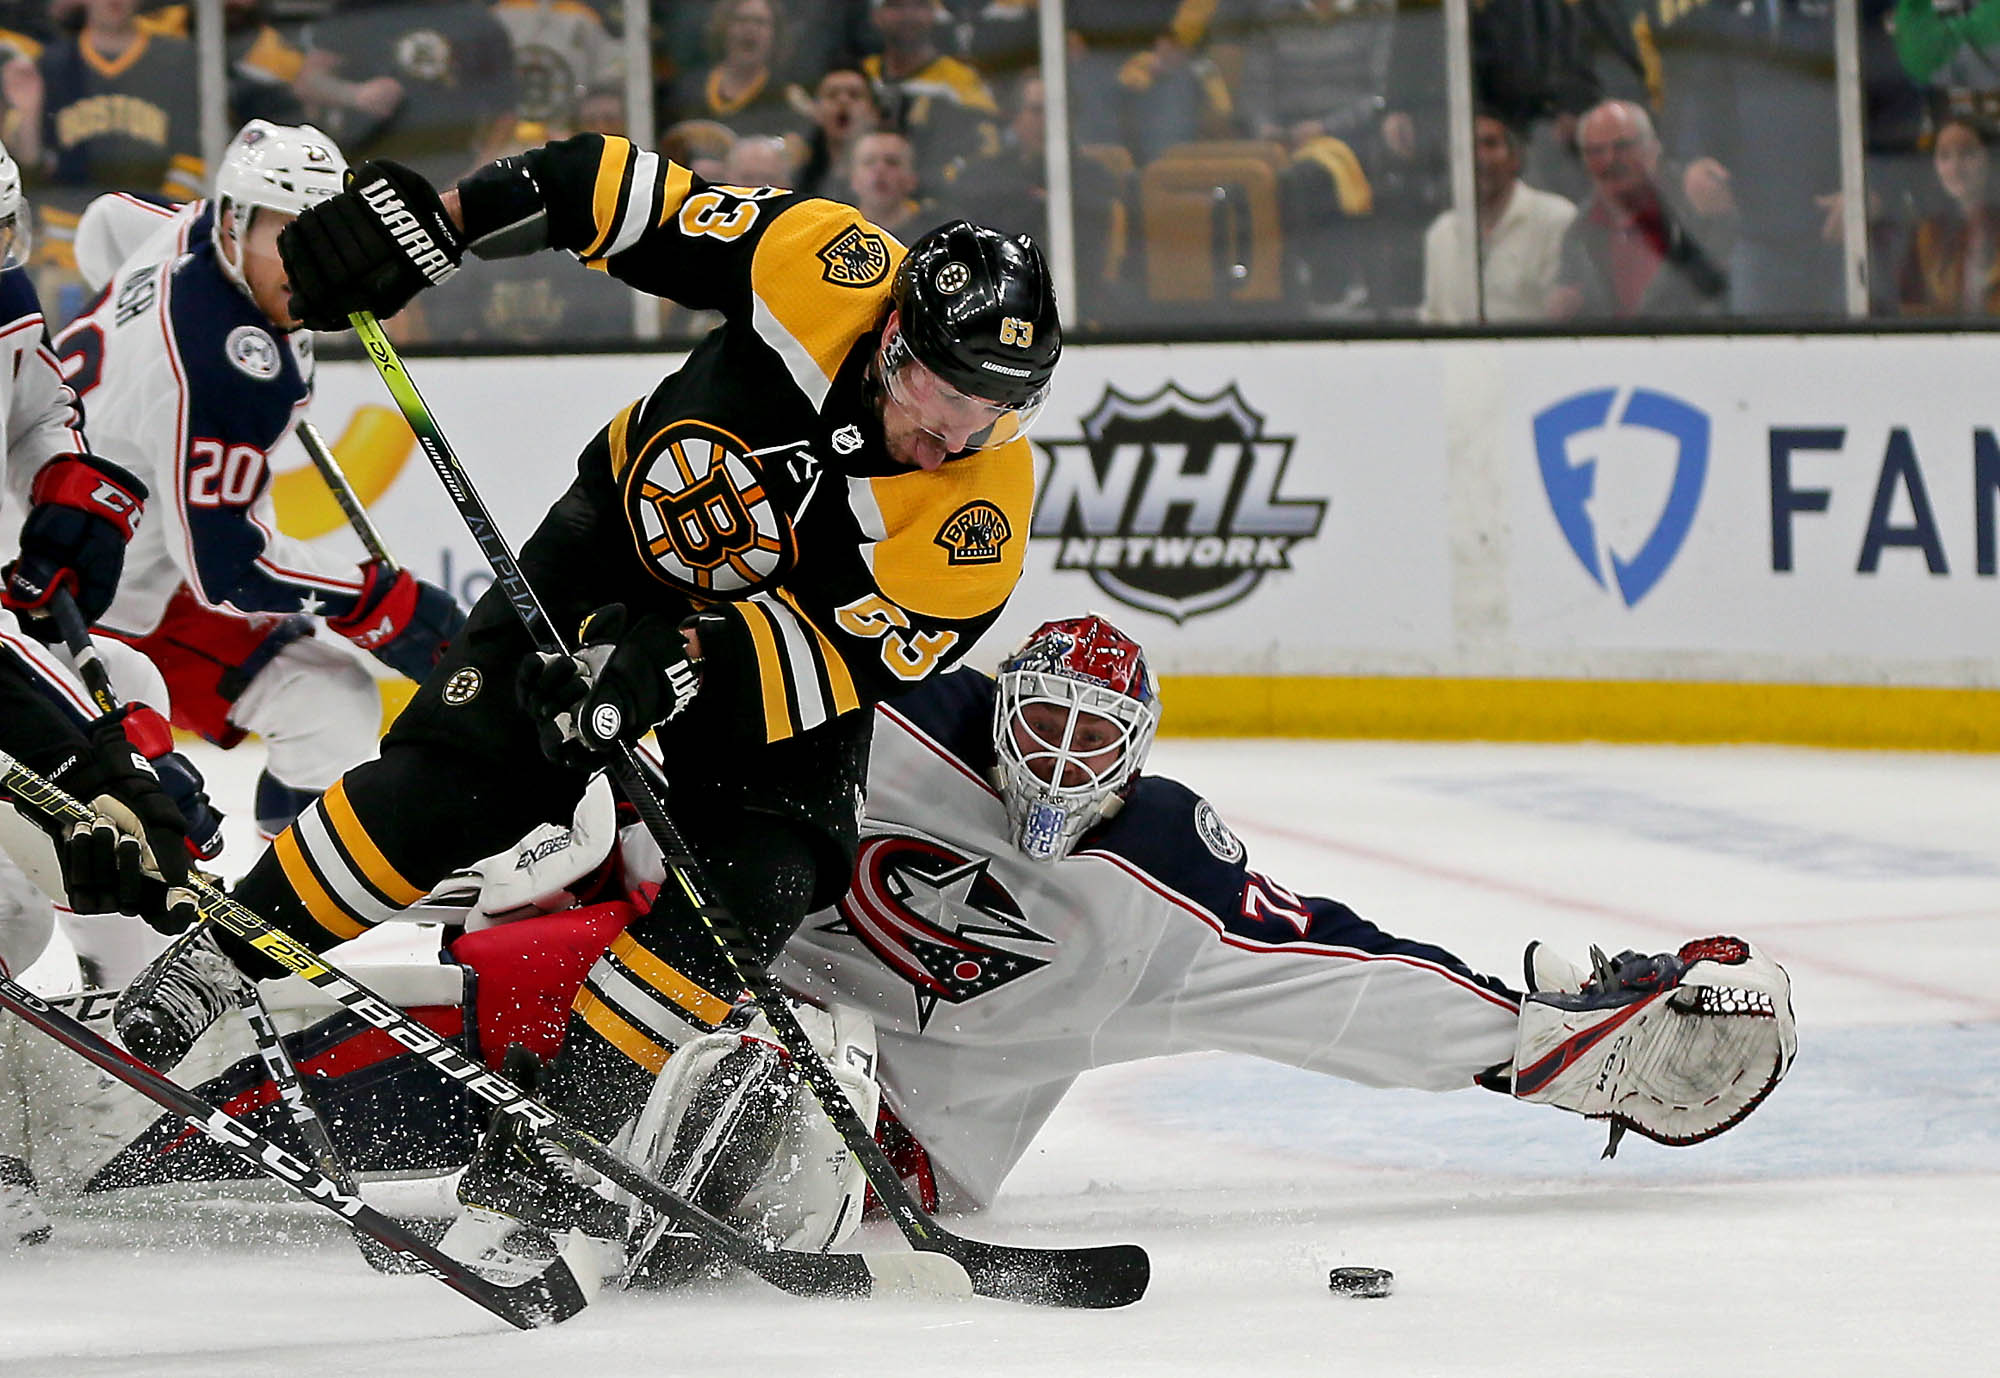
x=320 y=905
x=612 y=1027
x=361 y=849
x=697 y=1003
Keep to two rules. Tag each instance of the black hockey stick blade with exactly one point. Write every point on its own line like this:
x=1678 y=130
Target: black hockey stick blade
x=1097 y=1278
x=553 y=1296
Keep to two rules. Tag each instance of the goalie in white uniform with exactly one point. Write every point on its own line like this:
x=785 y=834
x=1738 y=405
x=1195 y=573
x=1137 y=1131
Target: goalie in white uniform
x=192 y=373
x=1028 y=905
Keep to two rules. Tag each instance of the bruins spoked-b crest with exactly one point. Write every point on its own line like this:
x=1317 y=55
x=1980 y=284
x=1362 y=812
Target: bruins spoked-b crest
x=1170 y=502
x=704 y=518
x=936 y=919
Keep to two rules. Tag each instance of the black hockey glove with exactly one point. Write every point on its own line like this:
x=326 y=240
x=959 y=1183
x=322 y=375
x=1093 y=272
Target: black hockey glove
x=371 y=248
x=616 y=688
x=85 y=510
x=400 y=620
x=133 y=859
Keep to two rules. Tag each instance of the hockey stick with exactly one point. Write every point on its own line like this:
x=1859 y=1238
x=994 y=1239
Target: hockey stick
x=271 y=1051
x=553 y=1296
x=344 y=494
x=817 y=1275
x=1104 y=1276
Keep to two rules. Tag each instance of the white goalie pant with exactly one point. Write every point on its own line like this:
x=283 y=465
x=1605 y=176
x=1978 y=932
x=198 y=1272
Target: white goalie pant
x=317 y=709
x=809 y=1196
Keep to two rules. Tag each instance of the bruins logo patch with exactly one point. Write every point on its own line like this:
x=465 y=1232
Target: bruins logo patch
x=701 y=514
x=974 y=534
x=854 y=258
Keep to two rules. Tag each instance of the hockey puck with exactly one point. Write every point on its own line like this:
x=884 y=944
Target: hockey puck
x=1361 y=1282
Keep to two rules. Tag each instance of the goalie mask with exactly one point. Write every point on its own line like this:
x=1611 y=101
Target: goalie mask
x=1073 y=717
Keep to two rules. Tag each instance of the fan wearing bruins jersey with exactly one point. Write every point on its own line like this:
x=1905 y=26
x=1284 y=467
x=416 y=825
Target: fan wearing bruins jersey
x=823 y=507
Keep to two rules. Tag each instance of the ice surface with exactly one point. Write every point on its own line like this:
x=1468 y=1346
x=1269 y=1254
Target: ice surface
x=1850 y=1227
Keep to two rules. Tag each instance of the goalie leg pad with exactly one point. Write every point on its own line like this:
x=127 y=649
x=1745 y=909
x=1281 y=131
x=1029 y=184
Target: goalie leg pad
x=730 y=1125
x=1683 y=1050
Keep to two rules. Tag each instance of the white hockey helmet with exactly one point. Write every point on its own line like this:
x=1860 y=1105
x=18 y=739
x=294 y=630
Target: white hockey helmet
x=276 y=167
x=17 y=238
x=1074 y=714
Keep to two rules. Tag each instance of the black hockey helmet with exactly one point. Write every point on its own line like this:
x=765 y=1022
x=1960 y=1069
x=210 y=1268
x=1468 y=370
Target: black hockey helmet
x=976 y=309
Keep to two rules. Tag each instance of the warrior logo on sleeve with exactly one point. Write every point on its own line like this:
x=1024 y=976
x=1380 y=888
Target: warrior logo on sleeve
x=933 y=917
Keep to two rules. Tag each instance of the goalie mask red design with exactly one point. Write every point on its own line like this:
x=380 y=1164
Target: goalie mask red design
x=1072 y=722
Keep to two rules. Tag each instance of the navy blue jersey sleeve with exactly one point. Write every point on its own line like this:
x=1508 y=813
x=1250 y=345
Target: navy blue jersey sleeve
x=1178 y=838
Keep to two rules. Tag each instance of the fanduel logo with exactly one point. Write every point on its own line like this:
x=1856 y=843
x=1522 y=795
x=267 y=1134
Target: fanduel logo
x=1170 y=502
x=1570 y=466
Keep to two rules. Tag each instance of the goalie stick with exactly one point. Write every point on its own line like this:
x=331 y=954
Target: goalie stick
x=555 y=1295
x=810 y=1275
x=1103 y=1276
x=270 y=1045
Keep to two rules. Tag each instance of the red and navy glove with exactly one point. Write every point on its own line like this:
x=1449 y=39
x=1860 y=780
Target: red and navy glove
x=84 y=510
x=179 y=780
x=400 y=620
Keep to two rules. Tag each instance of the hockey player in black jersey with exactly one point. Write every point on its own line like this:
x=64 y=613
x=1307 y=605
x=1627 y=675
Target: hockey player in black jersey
x=824 y=506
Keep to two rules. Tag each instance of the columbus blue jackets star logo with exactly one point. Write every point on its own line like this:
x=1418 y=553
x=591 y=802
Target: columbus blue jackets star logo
x=936 y=919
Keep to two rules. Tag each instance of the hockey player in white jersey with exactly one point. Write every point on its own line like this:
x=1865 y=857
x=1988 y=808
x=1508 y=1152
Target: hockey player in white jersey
x=192 y=372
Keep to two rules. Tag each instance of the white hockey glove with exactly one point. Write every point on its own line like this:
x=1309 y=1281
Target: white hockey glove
x=730 y=1125
x=551 y=869
x=1677 y=1047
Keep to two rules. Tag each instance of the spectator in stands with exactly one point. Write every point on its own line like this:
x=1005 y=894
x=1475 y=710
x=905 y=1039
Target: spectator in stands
x=1945 y=45
x=110 y=108
x=700 y=146
x=742 y=87
x=601 y=110
x=1139 y=75
x=758 y=160
x=1632 y=251
x=454 y=67
x=843 y=109
x=1010 y=192
x=1751 y=111
x=940 y=102
x=562 y=50
x=1520 y=240
x=885 y=185
x=1952 y=268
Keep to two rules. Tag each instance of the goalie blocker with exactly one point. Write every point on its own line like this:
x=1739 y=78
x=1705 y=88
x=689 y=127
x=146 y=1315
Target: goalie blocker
x=1677 y=1047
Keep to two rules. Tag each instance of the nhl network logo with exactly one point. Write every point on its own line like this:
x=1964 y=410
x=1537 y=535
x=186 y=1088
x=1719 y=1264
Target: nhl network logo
x=1171 y=501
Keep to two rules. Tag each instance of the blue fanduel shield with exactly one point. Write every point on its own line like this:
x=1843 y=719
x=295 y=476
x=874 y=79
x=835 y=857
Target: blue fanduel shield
x=1570 y=484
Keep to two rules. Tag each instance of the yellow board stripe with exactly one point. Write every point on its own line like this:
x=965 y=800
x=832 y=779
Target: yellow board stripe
x=685 y=994
x=674 y=189
x=620 y=426
x=604 y=198
x=327 y=914
x=770 y=671
x=361 y=849
x=1877 y=717
x=614 y=1029
x=845 y=700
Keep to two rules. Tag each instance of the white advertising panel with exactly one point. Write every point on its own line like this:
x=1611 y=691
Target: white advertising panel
x=1244 y=510
x=1829 y=497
